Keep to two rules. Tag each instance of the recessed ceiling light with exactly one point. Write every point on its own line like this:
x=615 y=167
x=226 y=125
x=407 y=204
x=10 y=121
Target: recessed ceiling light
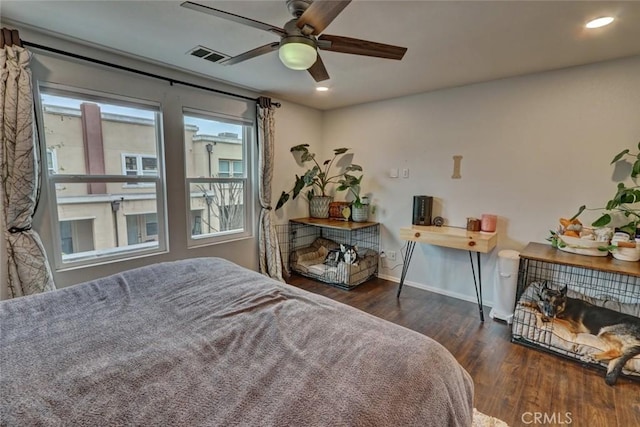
x=600 y=22
x=322 y=88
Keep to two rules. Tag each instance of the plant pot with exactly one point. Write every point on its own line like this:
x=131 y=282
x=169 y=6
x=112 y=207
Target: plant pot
x=360 y=213
x=319 y=206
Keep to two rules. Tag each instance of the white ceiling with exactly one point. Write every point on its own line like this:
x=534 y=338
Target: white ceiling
x=450 y=43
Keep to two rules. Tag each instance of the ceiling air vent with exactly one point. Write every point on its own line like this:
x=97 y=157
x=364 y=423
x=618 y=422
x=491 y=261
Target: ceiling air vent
x=206 y=53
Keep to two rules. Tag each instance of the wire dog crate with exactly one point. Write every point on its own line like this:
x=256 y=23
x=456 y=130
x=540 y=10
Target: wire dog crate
x=307 y=245
x=603 y=282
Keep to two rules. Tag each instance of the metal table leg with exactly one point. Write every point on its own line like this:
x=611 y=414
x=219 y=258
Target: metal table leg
x=477 y=284
x=405 y=267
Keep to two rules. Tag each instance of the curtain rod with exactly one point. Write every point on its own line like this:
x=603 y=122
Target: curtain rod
x=147 y=74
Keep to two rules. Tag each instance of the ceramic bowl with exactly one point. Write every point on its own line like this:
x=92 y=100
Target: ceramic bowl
x=626 y=254
x=579 y=246
x=577 y=242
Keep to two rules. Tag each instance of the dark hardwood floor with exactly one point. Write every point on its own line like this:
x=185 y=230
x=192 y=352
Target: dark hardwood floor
x=512 y=382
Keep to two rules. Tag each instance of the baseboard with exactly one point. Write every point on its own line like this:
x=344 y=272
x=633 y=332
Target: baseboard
x=436 y=290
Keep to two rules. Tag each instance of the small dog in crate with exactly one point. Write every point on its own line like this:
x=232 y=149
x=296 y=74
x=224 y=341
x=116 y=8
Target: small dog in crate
x=620 y=331
x=346 y=253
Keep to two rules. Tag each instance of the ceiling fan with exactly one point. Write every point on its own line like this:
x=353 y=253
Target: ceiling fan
x=299 y=40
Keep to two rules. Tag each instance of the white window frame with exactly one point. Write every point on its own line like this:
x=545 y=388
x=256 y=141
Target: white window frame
x=249 y=136
x=97 y=257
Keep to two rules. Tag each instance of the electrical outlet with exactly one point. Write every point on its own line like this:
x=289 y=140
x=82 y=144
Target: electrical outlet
x=391 y=255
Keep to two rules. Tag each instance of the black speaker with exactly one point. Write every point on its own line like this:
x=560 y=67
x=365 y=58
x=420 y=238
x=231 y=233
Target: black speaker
x=422 y=210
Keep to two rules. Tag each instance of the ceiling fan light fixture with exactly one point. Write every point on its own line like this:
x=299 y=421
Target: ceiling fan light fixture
x=297 y=53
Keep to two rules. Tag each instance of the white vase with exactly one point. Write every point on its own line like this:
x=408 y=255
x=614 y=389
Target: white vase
x=360 y=213
x=319 y=206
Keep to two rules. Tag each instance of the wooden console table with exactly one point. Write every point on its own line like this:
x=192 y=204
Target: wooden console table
x=450 y=237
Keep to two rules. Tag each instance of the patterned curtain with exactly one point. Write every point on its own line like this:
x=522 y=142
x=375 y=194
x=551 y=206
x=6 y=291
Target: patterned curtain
x=270 y=259
x=28 y=269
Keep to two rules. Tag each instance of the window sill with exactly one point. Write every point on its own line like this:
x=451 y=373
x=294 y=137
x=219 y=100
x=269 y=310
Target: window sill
x=211 y=241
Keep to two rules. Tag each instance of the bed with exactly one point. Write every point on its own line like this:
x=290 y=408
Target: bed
x=206 y=342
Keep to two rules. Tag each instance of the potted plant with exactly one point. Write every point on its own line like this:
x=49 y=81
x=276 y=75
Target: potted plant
x=360 y=206
x=317 y=179
x=625 y=202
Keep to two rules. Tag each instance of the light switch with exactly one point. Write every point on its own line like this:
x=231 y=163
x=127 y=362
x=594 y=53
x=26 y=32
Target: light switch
x=405 y=173
x=393 y=173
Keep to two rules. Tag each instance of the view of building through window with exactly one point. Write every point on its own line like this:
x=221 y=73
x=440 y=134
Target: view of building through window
x=102 y=159
x=90 y=146
x=215 y=175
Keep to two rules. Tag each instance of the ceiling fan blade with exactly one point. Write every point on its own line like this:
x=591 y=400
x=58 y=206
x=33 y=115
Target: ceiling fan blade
x=361 y=47
x=320 y=14
x=233 y=17
x=251 y=53
x=318 y=70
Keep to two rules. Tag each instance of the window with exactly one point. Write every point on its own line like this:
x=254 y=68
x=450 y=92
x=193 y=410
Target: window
x=76 y=236
x=218 y=156
x=230 y=168
x=142 y=228
x=93 y=173
x=52 y=162
x=196 y=220
x=139 y=165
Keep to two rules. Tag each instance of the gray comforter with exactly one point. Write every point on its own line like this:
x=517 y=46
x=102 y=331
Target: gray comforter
x=206 y=342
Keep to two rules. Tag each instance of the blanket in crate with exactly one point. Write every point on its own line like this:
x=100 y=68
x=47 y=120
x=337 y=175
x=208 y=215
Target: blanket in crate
x=310 y=261
x=528 y=325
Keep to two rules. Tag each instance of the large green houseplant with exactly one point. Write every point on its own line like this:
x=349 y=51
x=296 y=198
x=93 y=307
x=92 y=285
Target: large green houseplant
x=316 y=179
x=625 y=202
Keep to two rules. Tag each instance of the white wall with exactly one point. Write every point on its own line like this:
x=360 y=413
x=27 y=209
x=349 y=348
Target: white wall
x=534 y=149
x=295 y=125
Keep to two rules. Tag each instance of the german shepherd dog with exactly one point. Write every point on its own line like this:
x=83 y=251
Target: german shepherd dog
x=621 y=332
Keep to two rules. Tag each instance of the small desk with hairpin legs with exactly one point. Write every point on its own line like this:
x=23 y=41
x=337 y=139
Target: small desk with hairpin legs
x=449 y=237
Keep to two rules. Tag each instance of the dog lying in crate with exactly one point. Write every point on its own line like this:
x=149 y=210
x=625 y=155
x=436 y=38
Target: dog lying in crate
x=615 y=334
x=326 y=260
x=344 y=253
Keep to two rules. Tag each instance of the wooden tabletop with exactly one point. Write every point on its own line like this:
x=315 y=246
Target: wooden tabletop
x=334 y=223
x=547 y=253
x=450 y=237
